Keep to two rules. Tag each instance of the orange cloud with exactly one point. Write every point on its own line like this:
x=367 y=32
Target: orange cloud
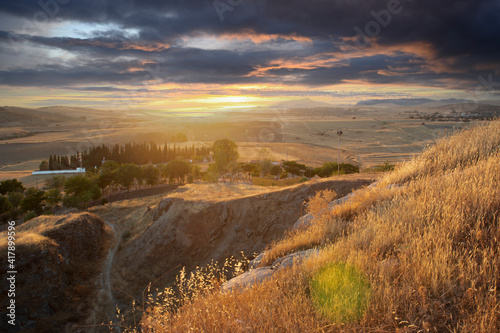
x=142 y=46
x=258 y=38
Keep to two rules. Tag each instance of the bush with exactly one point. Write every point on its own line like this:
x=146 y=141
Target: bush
x=211 y=176
x=340 y=292
x=331 y=168
x=28 y=216
x=11 y=185
x=6 y=209
x=349 y=168
x=385 y=167
x=32 y=200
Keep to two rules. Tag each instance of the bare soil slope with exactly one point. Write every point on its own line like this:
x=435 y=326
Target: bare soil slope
x=192 y=232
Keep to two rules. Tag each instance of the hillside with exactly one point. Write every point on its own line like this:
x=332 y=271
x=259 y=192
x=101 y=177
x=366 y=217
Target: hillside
x=58 y=260
x=15 y=116
x=411 y=101
x=203 y=222
x=425 y=238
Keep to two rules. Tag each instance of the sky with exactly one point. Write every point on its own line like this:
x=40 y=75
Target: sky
x=199 y=55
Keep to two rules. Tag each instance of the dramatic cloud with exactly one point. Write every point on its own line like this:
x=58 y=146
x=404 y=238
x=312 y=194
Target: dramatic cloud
x=121 y=45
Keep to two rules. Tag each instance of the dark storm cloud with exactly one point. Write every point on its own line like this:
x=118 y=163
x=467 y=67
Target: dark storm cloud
x=461 y=37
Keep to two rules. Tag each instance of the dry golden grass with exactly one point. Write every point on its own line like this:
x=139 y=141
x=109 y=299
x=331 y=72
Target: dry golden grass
x=430 y=249
x=273 y=182
x=267 y=307
x=30 y=233
x=230 y=191
x=328 y=224
x=218 y=192
x=459 y=151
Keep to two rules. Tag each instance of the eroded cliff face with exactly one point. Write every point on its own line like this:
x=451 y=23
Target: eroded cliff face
x=58 y=260
x=186 y=233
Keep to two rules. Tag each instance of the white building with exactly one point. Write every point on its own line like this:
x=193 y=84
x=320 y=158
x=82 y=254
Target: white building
x=59 y=172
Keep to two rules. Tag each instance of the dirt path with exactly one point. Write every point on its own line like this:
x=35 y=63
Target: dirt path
x=106 y=275
x=105 y=309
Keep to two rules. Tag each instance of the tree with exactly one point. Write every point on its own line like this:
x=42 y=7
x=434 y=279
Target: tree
x=52 y=198
x=225 y=152
x=16 y=198
x=5 y=209
x=212 y=175
x=294 y=168
x=251 y=169
x=125 y=174
x=177 y=169
x=33 y=201
x=266 y=167
x=348 y=168
x=151 y=175
x=331 y=168
x=234 y=168
x=309 y=172
x=56 y=182
x=265 y=162
x=11 y=185
x=327 y=169
x=44 y=166
x=276 y=171
x=139 y=175
x=196 y=172
x=107 y=174
x=80 y=190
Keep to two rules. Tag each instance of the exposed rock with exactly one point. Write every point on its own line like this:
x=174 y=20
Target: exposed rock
x=162 y=208
x=258 y=275
x=293 y=258
x=340 y=200
x=303 y=222
x=256 y=261
x=248 y=278
x=307 y=220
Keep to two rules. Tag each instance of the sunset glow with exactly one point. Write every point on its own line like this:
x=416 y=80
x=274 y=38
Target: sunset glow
x=180 y=57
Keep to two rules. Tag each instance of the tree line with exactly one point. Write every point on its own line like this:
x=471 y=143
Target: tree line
x=79 y=191
x=139 y=154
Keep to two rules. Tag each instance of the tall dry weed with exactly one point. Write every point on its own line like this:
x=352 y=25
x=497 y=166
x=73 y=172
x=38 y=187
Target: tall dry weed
x=431 y=250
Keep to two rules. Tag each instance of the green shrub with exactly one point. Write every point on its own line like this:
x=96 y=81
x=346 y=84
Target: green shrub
x=385 y=167
x=28 y=216
x=340 y=292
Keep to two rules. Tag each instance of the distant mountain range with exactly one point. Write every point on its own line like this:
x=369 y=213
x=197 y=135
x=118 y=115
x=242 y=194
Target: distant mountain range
x=412 y=101
x=305 y=103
